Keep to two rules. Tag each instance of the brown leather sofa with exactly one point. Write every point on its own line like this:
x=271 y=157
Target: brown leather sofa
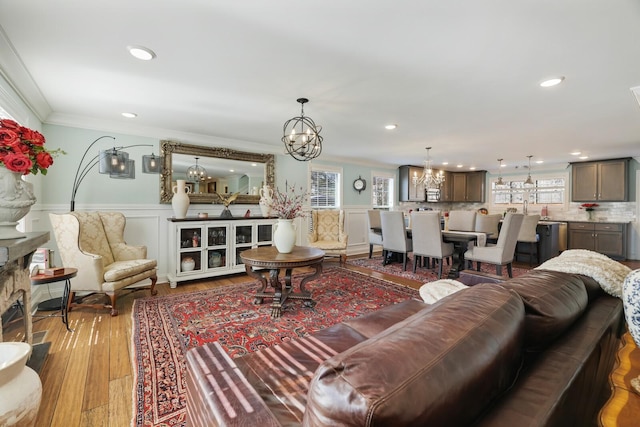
x=535 y=350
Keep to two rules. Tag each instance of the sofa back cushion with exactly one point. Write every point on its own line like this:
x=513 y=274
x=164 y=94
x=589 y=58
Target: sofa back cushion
x=440 y=366
x=553 y=301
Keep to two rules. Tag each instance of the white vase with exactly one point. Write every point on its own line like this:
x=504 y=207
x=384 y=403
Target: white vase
x=20 y=386
x=265 y=207
x=266 y=198
x=16 y=199
x=284 y=236
x=180 y=199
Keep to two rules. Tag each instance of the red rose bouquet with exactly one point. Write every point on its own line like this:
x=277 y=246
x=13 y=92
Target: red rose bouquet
x=589 y=206
x=22 y=149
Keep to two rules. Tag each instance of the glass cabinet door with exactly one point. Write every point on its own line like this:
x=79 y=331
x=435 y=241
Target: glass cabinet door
x=265 y=234
x=190 y=255
x=217 y=236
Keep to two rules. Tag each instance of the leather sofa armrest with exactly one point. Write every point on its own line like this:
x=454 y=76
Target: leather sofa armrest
x=218 y=394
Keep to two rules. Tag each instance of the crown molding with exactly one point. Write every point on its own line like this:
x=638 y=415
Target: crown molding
x=15 y=73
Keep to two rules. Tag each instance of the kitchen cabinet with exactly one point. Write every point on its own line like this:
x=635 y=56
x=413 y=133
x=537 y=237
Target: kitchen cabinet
x=408 y=192
x=467 y=187
x=607 y=238
x=603 y=181
x=201 y=248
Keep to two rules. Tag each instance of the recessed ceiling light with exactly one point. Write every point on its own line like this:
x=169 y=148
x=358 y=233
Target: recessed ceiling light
x=539 y=161
x=231 y=170
x=552 y=82
x=445 y=163
x=130 y=115
x=141 y=52
x=472 y=168
x=254 y=164
x=503 y=165
x=391 y=127
x=459 y=166
x=583 y=157
x=575 y=153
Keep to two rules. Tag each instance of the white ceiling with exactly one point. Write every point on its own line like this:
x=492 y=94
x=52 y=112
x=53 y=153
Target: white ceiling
x=458 y=75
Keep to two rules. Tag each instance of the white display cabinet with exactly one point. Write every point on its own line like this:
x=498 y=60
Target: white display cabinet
x=201 y=248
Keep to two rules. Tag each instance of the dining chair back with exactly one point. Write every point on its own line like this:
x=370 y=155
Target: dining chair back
x=375 y=229
x=488 y=224
x=394 y=235
x=528 y=238
x=427 y=239
x=502 y=253
x=462 y=220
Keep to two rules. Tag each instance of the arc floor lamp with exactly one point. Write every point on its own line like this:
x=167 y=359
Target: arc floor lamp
x=115 y=162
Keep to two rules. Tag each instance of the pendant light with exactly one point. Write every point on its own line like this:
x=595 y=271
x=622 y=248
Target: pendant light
x=196 y=172
x=529 y=181
x=500 y=182
x=301 y=136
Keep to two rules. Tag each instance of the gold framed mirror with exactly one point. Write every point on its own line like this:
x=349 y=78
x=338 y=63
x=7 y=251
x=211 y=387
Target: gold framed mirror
x=227 y=171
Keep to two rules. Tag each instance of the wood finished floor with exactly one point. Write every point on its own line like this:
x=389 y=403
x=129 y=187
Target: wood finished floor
x=87 y=377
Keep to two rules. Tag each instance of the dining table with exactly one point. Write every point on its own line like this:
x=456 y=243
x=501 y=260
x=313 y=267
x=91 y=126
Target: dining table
x=460 y=240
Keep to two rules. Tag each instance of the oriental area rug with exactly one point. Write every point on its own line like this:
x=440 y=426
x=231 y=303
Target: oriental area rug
x=422 y=274
x=165 y=328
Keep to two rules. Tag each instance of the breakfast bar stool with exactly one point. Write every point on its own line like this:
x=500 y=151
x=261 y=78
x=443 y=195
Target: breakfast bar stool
x=529 y=237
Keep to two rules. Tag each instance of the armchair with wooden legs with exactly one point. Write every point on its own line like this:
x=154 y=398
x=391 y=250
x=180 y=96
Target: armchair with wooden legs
x=328 y=234
x=93 y=243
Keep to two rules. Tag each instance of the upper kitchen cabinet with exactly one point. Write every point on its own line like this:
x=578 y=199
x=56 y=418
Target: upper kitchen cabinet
x=408 y=191
x=602 y=181
x=468 y=187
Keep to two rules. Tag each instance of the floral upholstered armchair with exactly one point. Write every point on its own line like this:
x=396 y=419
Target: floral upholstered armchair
x=328 y=234
x=93 y=242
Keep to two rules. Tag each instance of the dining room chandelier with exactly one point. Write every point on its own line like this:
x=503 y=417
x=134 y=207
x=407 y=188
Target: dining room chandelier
x=196 y=172
x=301 y=136
x=430 y=179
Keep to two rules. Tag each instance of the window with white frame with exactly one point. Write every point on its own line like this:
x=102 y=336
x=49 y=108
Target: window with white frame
x=382 y=190
x=325 y=187
x=546 y=190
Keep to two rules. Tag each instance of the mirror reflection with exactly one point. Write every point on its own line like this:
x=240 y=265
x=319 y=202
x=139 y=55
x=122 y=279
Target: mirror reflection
x=220 y=175
x=211 y=170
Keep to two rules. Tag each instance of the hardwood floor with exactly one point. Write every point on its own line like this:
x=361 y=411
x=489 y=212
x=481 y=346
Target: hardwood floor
x=87 y=376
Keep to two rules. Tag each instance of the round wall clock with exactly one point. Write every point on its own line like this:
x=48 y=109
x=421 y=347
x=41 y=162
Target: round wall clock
x=359 y=184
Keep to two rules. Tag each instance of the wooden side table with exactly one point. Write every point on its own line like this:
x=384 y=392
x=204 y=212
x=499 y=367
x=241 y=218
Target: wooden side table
x=623 y=407
x=268 y=259
x=66 y=275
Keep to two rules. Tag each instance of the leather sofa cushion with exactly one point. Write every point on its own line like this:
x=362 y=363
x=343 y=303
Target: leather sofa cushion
x=419 y=371
x=594 y=290
x=377 y=321
x=553 y=301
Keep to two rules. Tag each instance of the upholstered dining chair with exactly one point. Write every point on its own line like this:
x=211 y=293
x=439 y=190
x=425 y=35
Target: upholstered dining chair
x=327 y=233
x=375 y=229
x=93 y=242
x=488 y=224
x=394 y=235
x=529 y=238
x=503 y=251
x=427 y=239
x=462 y=220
